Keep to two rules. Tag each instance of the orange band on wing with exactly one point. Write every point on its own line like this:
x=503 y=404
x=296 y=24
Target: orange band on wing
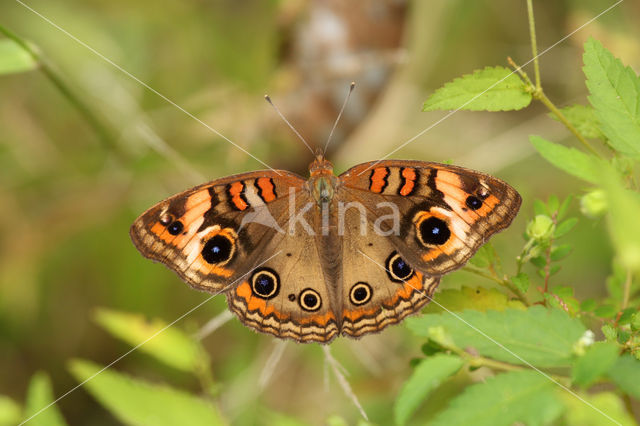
x=379 y=179
x=409 y=179
x=235 y=192
x=267 y=189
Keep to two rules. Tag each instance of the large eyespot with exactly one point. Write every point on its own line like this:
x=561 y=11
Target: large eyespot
x=360 y=293
x=265 y=283
x=473 y=202
x=398 y=269
x=175 y=227
x=218 y=249
x=310 y=300
x=432 y=231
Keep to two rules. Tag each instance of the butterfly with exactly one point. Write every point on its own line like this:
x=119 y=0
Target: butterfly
x=313 y=259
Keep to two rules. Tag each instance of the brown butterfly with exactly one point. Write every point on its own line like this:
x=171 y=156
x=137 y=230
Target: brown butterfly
x=313 y=259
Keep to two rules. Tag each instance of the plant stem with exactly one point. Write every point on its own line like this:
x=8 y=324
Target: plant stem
x=627 y=289
x=534 y=43
x=48 y=69
x=539 y=95
x=502 y=282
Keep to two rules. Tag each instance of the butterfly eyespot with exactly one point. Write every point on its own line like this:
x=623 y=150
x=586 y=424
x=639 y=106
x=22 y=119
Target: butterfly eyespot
x=166 y=219
x=431 y=231
x=265 y=283
x=360 y=293
x=175 y=227
x=398 y=269
x=218 y=250
x=474 y=203
x=310 y=300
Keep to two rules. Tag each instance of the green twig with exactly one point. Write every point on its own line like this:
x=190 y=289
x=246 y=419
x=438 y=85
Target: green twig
x=48 y=69
x=503 y=282
x=534 y=43
x=539 y=95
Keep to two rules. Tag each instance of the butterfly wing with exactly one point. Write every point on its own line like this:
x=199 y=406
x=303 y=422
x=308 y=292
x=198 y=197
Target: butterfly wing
x=379 y=287
x=444 y=213
x=209 y=234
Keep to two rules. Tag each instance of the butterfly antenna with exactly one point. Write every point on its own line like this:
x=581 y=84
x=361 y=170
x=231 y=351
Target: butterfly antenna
x=344 y=104
x=268 y=99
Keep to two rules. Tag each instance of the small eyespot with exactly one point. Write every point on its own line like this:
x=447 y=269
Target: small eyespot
x=433 y=231
x=166 y=219
x=398 y=269
x=360 y=293
x=474 y=203
x=218 y=249
x=175 y=227
x=265 y=283
x=310 y=300
x=291 y=297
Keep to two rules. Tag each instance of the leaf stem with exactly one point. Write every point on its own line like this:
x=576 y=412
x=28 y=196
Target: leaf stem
x=538 y=94
x=48 y=69
x=534 y=43
x=503 y=282
x=627 y=289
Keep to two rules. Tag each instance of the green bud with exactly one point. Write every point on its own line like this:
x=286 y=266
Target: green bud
x=594 y=204
x=540 y=228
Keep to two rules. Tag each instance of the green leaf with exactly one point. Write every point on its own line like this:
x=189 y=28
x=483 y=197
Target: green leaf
x=615 y=94
x=560 y=252
x=137 y=402
x=604 y=408
x=516 y=397
x=540 y=208
x=542 y=337
x=490 y=89
x=605 y=311
x=476 y=298
x=169 y=345
x=565 y=227
x=596 y=361
x=564 y=207
x=583 y=118
x=483 y=257
x=588 y=305
x=39 y=397
x=570 y=160
x=521 y=281
x=624 y=211
x=10 y=411
x=14 y=59
x=626 y=374
x=427 y=376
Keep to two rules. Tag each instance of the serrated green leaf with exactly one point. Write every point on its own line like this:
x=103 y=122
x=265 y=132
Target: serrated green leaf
x=171 y=345
x=570 y=160
x=516 y=397
x=615 y=95
x=521 y=281
x=483 y=257
x=137 y=402
x=490 y=89
x=583 y=118
x=564 y=207
x=565 y=227
x=609 y=332
x=10 y=411
x=14 y=59
x=542 y=337
x=595 y=363
x=39 y=397
x=604 y=408
x=626 y=374
x=478 y=298
x=427 y=376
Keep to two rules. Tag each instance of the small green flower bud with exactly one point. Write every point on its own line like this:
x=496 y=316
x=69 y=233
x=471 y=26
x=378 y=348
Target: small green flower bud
x=540 y=228
x=594 y=204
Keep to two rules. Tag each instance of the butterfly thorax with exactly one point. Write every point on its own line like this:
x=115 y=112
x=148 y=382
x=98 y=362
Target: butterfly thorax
x=322 y=182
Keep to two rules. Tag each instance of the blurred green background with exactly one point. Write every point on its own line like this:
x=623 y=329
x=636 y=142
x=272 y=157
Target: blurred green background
x=68 y=193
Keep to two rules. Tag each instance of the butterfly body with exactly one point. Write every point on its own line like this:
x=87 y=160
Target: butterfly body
x=332 y=255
